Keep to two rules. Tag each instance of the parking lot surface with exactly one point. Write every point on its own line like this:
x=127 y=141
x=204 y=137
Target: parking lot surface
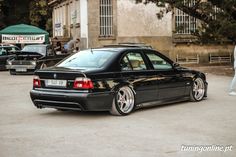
x=26 y=131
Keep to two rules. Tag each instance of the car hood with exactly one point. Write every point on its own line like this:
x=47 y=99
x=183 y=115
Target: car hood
x=23 y=55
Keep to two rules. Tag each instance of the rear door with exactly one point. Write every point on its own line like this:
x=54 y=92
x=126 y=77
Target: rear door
x=170 y=83
x=136 y=70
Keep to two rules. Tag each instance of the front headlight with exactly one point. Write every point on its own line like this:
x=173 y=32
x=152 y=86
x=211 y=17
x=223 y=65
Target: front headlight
x=33 y=62
x=9 y=62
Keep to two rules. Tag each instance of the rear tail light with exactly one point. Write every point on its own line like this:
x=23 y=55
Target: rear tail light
x=36 y=82
x=83 y=83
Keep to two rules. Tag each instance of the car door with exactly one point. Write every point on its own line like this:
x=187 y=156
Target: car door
x=135 y=70
x=3 y=58
x=170 y=83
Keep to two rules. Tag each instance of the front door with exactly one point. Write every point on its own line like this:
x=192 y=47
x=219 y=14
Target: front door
x=170 y=83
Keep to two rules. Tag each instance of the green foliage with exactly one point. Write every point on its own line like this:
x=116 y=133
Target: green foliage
x=35 y=12
x=40 y=13
x=49 y=26
x=2 y=24
x=217 y=25
x=13 y=12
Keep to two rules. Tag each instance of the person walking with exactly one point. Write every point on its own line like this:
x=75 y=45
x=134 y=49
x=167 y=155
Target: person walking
x=232 y=90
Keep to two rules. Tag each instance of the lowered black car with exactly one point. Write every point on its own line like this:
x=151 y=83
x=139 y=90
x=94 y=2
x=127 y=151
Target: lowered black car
x=6 y=52
x=33 y=57
x=118 y=80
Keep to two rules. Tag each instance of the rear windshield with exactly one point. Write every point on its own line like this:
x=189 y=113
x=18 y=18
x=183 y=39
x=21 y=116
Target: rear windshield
x=87 y=59
x=38 y=49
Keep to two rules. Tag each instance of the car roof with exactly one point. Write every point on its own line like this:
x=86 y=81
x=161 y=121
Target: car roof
x=128 y=44
x=120 y=48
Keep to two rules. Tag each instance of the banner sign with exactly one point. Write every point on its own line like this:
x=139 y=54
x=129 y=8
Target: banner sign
x=58 y=26
x=23 y=39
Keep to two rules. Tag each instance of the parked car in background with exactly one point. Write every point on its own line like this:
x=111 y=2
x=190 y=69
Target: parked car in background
x=6 y=51
x=33 y=57
x=118 y=79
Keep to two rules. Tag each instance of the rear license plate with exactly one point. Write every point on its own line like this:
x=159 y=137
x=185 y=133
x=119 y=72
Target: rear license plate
x=55 y=83
x=21 y=69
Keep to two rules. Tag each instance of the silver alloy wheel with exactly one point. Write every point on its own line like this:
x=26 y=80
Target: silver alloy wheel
x=198 y=89
x=125 y=100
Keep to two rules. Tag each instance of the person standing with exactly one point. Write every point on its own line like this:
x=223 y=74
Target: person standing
x=58 y=46
x=72 y=44
x=232 y=90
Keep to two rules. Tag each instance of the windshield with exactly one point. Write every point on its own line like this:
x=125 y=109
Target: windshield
x=38 y=49
x=87 y=59
x=7 y=50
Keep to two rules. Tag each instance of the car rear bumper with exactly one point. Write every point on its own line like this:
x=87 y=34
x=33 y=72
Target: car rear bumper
x=20 y=66
x=72 y=100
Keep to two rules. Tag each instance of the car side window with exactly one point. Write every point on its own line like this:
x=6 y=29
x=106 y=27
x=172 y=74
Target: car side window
x=125 y=65
x=3 y=52
x=133 y=61
x=158 y=62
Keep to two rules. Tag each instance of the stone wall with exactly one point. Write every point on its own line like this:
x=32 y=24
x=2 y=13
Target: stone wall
x=141 y=20
x=93 y=25
x=202 y=50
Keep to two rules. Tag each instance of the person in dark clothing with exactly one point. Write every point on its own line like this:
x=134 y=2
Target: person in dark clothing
x=58 y=47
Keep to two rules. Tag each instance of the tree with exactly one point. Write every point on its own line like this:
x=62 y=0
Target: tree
x=1 y=14
x=218 y=16
x=37 y=13
x=40 y=14
x=13 y=12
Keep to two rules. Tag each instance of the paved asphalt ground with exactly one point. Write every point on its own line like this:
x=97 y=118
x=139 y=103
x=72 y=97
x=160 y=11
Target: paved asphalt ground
x=155 y=132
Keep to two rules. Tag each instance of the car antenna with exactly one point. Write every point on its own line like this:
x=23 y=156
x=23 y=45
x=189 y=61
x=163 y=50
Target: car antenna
x=91 y=50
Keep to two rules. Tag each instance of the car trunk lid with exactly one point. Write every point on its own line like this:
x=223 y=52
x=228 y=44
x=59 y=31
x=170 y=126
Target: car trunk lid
x=61 y=78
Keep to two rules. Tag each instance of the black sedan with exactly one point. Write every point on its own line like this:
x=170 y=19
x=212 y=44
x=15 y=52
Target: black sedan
x=33 y=57
x=118 y=80
x=6 y=52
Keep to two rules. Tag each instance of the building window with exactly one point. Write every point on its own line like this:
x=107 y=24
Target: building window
x=185 y=24
x=106 y=18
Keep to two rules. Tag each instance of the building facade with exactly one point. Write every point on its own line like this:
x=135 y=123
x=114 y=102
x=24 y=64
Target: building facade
x=103 y=22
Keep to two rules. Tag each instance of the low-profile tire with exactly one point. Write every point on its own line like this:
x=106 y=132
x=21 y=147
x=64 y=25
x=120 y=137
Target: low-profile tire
x=12 y=72
x=198 y=89
x=123 y=102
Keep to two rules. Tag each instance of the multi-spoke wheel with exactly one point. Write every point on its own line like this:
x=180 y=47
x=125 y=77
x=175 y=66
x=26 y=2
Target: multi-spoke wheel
x=198 y=90
x=123 y=102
